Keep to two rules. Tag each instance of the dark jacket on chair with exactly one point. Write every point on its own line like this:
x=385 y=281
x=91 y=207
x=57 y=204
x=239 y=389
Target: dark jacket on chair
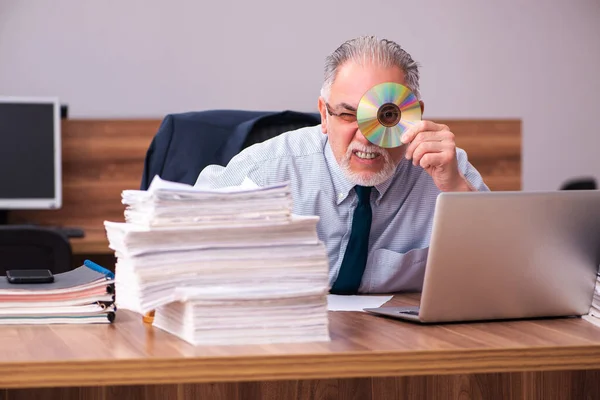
x=186 y=143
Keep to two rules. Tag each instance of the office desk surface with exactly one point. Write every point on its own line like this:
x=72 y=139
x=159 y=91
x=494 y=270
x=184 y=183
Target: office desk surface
x=131 y=353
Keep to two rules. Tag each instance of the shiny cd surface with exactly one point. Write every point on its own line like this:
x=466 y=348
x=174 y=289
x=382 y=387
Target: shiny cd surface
x=385 y=112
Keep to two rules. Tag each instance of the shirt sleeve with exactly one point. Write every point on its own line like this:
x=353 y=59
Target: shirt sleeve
x=470 y=172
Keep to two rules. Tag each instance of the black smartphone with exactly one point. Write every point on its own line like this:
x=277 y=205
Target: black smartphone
x=29 y=276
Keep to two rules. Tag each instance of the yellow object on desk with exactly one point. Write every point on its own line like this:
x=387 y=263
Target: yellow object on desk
x=149 y=317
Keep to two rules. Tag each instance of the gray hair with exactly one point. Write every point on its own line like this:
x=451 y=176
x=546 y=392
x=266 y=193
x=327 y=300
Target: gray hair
x=366 y=49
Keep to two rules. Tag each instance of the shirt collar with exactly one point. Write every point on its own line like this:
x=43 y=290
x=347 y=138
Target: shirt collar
x=343 y=186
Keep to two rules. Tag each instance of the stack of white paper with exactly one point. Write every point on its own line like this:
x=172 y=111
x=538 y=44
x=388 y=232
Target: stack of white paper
x=230 y=266
x=594 y=314
x=213 y=318
x=175 y=204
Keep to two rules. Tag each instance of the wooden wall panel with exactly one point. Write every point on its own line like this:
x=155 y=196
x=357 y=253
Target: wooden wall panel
x=101 y=158
x=494 y=148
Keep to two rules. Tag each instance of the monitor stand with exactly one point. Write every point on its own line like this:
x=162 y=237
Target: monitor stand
x=70 y=232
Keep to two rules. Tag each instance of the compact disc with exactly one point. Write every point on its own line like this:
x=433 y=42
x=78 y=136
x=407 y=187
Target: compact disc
x=385 y=112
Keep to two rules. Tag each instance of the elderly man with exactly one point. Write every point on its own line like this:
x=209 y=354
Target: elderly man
x=375 y=205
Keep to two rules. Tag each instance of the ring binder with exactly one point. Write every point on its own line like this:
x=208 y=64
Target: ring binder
x=81 y=296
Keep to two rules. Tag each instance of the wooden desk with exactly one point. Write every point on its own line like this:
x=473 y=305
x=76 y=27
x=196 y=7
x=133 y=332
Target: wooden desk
x=101 y=158
x=369 y=357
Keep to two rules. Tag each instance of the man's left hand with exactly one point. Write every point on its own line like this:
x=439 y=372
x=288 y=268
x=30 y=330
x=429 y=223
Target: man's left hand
x=432 y=146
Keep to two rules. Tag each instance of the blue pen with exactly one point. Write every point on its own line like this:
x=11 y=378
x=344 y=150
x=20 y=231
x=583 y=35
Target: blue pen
x=98 y=268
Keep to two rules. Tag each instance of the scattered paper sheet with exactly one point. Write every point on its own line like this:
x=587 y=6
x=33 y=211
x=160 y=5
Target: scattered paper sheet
x=591 y=319
x=204 y=186
x=355 y=303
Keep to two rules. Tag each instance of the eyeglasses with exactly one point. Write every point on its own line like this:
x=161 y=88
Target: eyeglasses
x=345 y=116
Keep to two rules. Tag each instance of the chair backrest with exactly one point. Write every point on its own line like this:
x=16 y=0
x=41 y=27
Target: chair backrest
x=269 y=127
x=187 y=142
x=31 y=247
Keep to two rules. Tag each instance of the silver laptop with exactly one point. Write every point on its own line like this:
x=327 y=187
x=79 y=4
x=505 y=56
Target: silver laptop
x=509 y=255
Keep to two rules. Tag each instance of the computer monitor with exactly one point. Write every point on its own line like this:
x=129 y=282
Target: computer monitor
x=30 y=153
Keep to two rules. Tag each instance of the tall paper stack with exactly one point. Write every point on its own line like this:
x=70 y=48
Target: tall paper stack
x=227 y=266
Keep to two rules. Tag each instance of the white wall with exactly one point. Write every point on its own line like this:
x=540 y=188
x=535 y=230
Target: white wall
x=534 y=60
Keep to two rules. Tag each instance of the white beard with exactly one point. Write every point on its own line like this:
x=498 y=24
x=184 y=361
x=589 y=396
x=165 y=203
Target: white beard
x=368 y=179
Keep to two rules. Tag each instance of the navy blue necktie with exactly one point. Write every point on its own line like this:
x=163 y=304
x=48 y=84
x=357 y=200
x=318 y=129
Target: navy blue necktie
x=355 y=258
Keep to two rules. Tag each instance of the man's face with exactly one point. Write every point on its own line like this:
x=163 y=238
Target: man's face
x=363 y=163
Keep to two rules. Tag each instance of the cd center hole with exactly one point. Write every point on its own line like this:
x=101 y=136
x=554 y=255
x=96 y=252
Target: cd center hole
x=389 y=115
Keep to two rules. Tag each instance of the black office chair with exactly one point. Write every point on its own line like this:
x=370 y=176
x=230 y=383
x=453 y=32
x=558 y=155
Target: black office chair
x=269 y=127
x=585 y=183
x=32 y=247
x=187 y=142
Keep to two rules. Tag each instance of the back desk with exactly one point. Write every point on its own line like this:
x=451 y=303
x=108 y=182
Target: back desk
x=369 y=357
x=103 y=157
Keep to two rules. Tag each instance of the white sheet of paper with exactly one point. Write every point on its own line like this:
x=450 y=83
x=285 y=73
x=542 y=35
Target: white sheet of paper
x=354 y=303
x=591 y=319
x=204 y=184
